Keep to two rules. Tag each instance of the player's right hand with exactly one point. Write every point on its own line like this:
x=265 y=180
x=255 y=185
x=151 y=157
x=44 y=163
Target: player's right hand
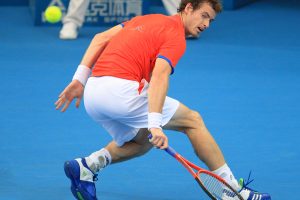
x=158 y=139
x=73 y=90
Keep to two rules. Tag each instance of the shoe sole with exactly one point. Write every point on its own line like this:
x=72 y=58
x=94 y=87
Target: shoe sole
x=69 y=171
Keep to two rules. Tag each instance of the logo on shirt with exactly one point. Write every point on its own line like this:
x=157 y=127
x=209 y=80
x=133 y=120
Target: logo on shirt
x=138 y=28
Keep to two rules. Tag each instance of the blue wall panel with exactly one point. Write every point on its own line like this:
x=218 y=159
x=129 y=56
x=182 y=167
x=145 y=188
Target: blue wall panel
x=14 y=2
x=234 y=4
x=228 y=4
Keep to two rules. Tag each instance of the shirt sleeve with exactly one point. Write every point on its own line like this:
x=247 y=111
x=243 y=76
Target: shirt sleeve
x=172 y=48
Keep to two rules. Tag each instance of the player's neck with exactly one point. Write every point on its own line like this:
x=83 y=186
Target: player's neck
x=182 y=18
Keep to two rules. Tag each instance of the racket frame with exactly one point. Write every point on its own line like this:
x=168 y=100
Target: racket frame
x=191 y=167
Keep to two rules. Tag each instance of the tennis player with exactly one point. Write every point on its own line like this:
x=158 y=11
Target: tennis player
x=126 y=93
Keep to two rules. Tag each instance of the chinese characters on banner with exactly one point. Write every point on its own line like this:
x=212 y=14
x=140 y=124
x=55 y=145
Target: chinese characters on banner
x=113 y=11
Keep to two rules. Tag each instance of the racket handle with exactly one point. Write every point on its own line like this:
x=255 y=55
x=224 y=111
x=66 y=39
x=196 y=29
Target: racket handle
x=169 y=150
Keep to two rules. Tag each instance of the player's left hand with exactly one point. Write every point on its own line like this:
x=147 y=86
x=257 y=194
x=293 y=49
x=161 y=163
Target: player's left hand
x=158 y=138
x=73 y=90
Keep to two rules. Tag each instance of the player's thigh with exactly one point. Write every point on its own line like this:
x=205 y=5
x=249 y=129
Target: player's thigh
x=142 y=137
x=184 y=118
x=142 y=140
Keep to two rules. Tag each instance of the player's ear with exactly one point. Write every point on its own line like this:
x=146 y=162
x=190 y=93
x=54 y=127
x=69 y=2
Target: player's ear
x=188 y=8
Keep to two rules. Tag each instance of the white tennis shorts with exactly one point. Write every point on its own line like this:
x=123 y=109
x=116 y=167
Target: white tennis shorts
x=116 y=104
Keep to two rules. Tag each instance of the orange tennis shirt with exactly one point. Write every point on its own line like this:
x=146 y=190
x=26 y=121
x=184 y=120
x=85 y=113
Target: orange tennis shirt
x=131 y=54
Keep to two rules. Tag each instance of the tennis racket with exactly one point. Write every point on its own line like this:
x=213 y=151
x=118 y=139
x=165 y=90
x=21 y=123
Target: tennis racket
x=214 y=186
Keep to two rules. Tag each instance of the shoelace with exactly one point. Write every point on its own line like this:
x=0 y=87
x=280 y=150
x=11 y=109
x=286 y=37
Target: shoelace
x=245 y=185
x=256 y=194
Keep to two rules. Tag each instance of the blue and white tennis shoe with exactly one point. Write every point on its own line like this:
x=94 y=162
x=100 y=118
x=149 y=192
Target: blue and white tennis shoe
x=245 y=192
x=250 y=194
x=82 y=179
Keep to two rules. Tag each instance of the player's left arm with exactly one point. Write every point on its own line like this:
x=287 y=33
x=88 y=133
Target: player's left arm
x=98 y=44
x=157 y=93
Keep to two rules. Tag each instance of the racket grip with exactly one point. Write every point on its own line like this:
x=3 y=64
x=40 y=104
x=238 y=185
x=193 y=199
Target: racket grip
x=169 y=150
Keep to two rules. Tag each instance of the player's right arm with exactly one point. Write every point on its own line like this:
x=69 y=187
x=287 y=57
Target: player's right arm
x=76 y=87
x=157 y=93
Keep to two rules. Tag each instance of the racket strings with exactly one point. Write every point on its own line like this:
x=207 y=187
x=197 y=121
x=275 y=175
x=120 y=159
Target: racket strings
x=217 y=188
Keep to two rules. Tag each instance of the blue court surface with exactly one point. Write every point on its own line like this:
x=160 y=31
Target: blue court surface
x=242 y=75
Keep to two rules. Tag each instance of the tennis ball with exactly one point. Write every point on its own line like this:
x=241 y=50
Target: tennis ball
x=53 y=14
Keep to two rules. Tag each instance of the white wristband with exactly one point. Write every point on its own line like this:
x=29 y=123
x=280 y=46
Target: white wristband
x=154 y=120
x=82 y=74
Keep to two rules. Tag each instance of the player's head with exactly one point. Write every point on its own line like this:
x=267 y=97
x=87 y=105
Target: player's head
x=198 y=14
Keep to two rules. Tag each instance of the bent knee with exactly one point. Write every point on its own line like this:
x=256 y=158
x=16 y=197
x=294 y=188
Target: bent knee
x=195 y=116
x=195 y=119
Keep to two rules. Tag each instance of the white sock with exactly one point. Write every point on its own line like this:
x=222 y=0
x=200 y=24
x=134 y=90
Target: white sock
x=227 y=175
x=98 y=160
